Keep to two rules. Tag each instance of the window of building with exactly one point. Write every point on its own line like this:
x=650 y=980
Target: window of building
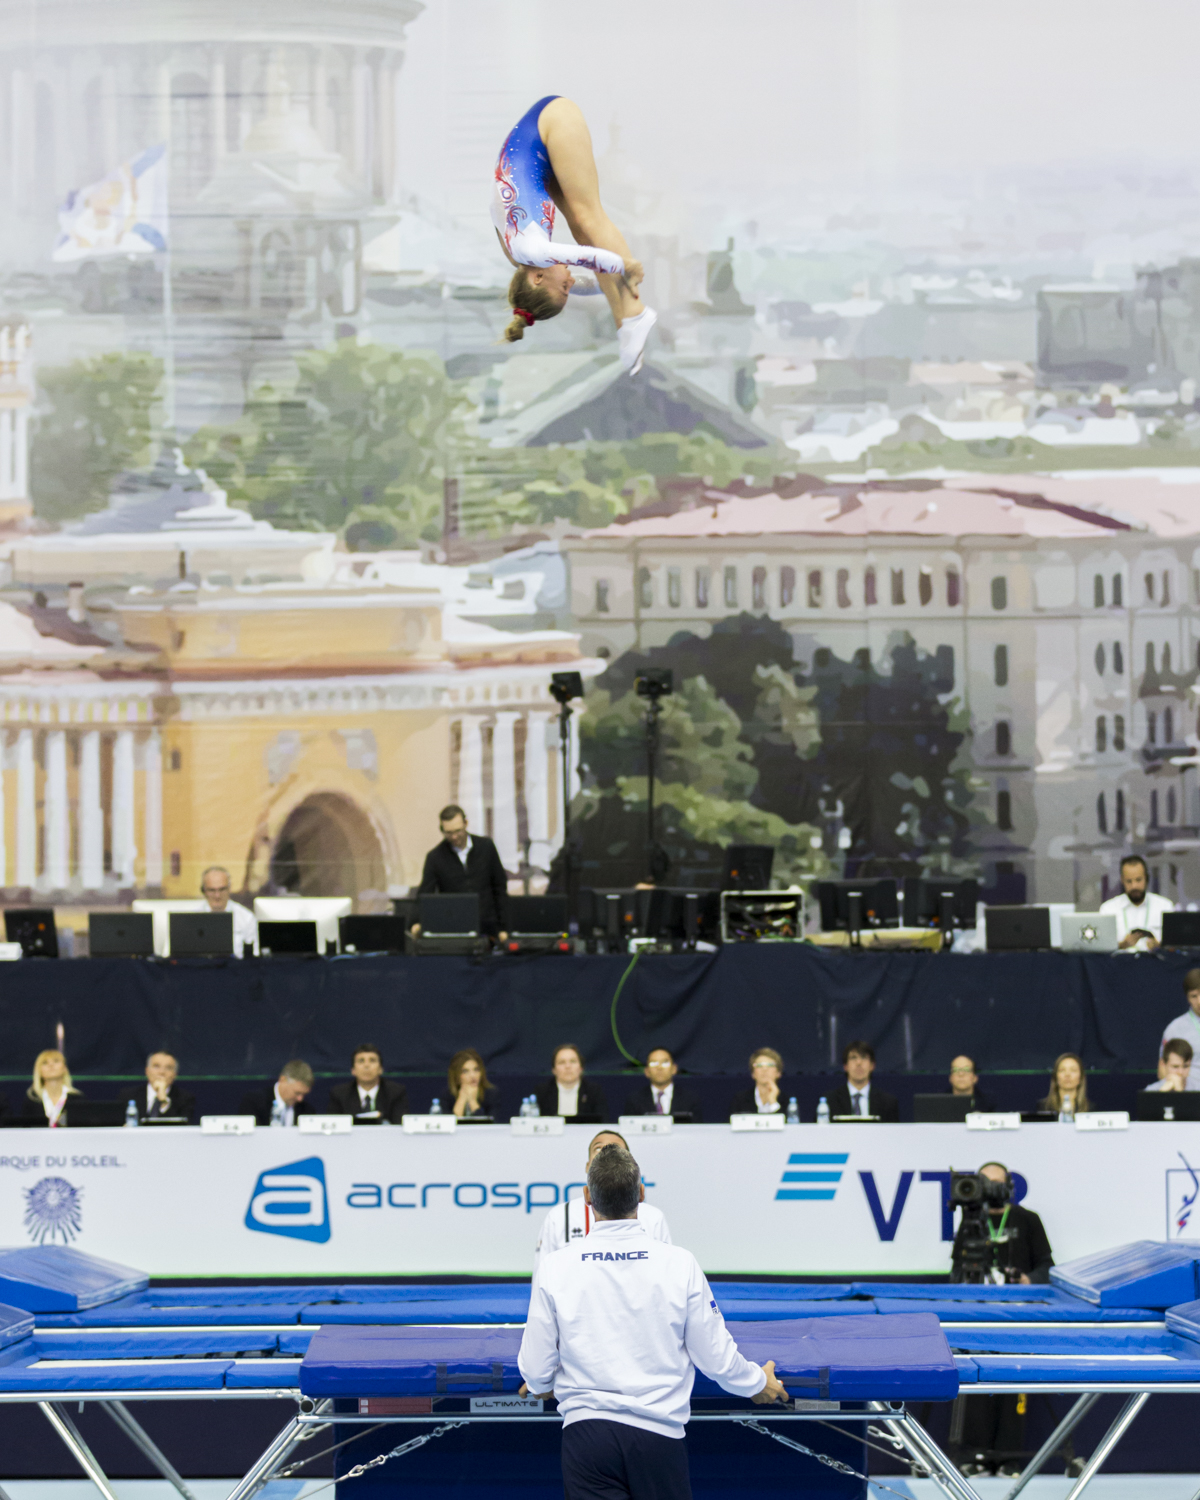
x=814 y=589
x=758 y=588
x=1154 y=809
x=1118 y=589
x=843 y=588
x=1152 y=728
x=925 y=586
x=1172 y=806
x=999 y=593
x=176 y=863
x=870 y=595
x=175 y=761
x=1098 y=591
x=787 y=586
x=1150 y=587
x=1004 y=811
x=1003 y=738
x=952 y=588
x=1119 y=818
x=601 y=596
x=702 y=582
x=1000 y=666
x=730 y=588
x=1118 y=733
x=1101 y=735
x=897 y=585
x=1168 y=726
x=1150 y=658
x=1196 y=585
x=1118 y=658
x=674 y=588
x=1101 y=814
x=1166 y=657
x=1166 y=590
x=1100 y=663
x=645 y=588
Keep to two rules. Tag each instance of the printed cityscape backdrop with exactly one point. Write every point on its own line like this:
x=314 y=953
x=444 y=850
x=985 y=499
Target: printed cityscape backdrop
x=907 y=495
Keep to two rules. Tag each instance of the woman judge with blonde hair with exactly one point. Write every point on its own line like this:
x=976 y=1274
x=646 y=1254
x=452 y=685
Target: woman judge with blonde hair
x=50 y=1089
x=546 y=164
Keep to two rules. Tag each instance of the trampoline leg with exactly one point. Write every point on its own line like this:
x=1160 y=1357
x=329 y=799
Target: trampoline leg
x=141 y=1439
x=1056 y=1439
x=262 y=1469
x=1109 y=1441
x=921 y=1447
x=75 y=1445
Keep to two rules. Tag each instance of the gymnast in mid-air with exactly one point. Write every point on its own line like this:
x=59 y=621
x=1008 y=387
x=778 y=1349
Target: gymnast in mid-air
x=546 y=163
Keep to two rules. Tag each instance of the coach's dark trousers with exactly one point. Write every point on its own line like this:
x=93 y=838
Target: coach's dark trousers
x=613 y=1461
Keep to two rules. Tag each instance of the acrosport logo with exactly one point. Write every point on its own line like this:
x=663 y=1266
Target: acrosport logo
x=291 y=1200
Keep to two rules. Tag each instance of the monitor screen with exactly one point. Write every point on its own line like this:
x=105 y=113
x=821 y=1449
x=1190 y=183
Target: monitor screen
x=34 y=929
x=287 y=937
x=747 y=867
x=201 y=934
x=537 y=915
x=120 y=934
x=449 y=916
x=372 y=934
x=850 y=904
x=928 y=897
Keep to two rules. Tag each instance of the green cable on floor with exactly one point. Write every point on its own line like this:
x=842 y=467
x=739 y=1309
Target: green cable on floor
x=629 y=1057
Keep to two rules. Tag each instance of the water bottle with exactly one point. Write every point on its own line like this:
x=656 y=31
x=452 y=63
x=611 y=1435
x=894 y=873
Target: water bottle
x=793 y=1111
x=131 y=1115
x=823 y=1111
x=276 y=1113
x=534 y=1112
x=436 y=1107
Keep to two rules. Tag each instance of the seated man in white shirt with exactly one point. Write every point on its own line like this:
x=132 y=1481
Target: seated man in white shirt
x=1186 y=1027
x=617 y=1327
x=573 y=1220
x=215 y=887
x=1173 y=1068
x=1139 y=912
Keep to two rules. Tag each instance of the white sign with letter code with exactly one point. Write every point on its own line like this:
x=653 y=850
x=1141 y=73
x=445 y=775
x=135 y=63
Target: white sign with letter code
x=757 y=1122
x=1113 y=1119
x=227 y=1124
x=325 y=1124
x=645 y=1124
x=993 y=1122
x=537 y=1124
x=429 y=1124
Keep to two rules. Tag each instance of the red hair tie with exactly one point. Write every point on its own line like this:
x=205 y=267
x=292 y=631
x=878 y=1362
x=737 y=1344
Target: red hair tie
x=528 y=316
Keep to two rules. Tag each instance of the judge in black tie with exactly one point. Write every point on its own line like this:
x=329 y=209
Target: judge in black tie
x=463 y=862
x=161 y=1096
x=368 y=1093
x=857 y=1096
x=660 y=1094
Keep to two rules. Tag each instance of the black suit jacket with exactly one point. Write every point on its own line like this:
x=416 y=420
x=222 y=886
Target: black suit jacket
x=258 y=1102
x=983 y=1104
x=881 y=1104
x=180 y=1103
x=746 y=1103
x=33 y=1109
x=683 y=1101
x=391 y=1100
x=591 y=1099
x=483 y=872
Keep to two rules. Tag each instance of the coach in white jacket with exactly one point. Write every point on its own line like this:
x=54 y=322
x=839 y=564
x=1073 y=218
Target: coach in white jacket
x=618 y=1325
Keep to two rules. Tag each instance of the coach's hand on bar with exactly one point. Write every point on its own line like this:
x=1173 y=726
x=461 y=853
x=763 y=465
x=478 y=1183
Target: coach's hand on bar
x=772 y=1391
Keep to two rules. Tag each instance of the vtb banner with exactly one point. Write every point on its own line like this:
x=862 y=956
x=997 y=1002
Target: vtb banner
x=839 y=1200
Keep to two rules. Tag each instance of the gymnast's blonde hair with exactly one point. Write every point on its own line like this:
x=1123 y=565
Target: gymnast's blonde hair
x=538 y=301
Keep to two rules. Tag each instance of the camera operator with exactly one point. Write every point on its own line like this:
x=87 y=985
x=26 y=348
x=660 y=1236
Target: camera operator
x=1007 y=1243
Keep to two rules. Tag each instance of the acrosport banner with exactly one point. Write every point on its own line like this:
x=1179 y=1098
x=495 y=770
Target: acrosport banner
x=837 y=1200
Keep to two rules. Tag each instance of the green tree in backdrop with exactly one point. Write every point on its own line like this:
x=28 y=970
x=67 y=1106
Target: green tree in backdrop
x=97 y=419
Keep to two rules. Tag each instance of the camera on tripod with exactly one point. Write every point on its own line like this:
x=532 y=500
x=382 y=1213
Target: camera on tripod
x=981 y=1240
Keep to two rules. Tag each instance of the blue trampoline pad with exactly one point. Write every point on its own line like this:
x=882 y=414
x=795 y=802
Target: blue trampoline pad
x=57 y=1278
x=479 y=1309
x=1019 y=1312
x=1082 y=1369
x=1000 y=1339
x=15 y=1324
x=1184 y=1320
x=1147 y=1273
x=781 y=1291
x=33 y=1375
x=770 y=1310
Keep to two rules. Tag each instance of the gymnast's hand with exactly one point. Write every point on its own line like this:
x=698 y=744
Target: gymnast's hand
x=772 y=1391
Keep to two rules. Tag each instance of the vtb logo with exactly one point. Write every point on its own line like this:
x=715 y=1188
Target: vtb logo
x=291 y=1201
x=819 y=1171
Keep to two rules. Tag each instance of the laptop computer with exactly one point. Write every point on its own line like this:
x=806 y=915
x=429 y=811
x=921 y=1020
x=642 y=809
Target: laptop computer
x=537 y=916
x=1017 y=929
x=1181 y=929
x=371 y=933
x=120 y=934
x=449 y=916
x=1089 y=932
x=287 y=939
x=33 y=927
x=95 y=1112
x=1164 y=1106
x=196 y=934
x=941 y=1109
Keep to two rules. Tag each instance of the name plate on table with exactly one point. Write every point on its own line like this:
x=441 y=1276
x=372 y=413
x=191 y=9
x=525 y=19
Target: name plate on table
x=758 y=1122
x=645 y=1124
x=227 y=1124
x=1113 y=1119
x=537 y=1124
x=994 y=1122
x=506 y=1406
x=429 y=1124
x=325 y=1124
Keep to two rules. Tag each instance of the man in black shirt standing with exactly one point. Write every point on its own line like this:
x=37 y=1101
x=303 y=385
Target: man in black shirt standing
x=465 y=862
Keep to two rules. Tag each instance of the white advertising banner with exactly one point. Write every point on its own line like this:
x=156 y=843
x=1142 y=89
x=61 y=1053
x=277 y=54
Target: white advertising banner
x=836 y=1200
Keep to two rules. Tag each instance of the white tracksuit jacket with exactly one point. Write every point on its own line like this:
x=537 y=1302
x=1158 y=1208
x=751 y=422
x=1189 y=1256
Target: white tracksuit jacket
x=570 y=1222
x=618 y=1325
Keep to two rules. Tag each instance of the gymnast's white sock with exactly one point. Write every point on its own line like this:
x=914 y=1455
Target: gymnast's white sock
x=632 y=336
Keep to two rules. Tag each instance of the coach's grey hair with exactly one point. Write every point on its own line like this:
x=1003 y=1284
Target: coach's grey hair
x=614 y=1180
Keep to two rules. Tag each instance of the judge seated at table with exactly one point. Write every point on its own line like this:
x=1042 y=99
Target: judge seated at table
x=964 y=1084
x=162 y=1096
x=368 y=1092
x=660 y=1094
x=1175 y=1068
x=764 y=1098
x=47 y=1097
x=289 y=1092
x=468 y=1092
x=858 y=1096
x=1068 y=1094
x=569 y=1093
